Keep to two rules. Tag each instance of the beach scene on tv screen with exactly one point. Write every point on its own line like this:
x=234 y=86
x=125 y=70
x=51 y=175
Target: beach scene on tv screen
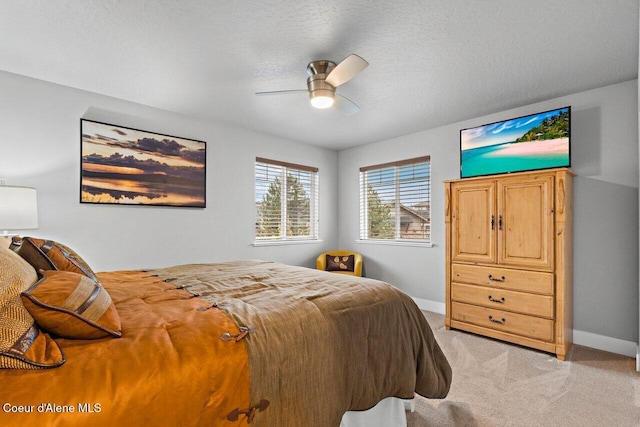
x=538 y=141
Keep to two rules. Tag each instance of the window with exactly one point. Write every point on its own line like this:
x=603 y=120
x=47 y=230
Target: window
x=395 y=201
x=286 y=201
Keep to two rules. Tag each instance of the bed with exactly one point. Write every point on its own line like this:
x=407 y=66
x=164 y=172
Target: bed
x=220 y=344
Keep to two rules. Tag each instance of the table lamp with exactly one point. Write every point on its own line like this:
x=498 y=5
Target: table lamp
x=18 y=209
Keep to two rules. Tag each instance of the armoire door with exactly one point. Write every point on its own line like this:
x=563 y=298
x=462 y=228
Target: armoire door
x=525 y=222
x=473 y=222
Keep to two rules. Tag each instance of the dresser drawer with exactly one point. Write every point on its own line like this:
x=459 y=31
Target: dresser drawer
x=504 y=278
x=501 y=299
x=500 y=320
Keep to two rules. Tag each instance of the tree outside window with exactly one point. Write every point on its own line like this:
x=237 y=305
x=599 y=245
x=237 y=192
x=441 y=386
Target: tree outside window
x=395 y=202
x=286 y=207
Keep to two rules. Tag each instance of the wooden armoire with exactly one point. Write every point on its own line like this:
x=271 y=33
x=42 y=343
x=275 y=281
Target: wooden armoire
x=509 y=258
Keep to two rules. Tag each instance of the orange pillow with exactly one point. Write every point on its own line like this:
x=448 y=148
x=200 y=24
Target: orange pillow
x=72 y=305
x=49 y=255
x=22 y=344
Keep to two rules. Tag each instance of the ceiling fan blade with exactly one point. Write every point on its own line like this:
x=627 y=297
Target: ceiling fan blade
x=346 y=70
x=345 y=105
x=282 y=92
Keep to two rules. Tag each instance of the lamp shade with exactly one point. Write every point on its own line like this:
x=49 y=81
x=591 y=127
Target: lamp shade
x=18 y=208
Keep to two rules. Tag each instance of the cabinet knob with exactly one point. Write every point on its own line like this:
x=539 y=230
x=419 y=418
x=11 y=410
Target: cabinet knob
x=495 y=279
x=499 y=301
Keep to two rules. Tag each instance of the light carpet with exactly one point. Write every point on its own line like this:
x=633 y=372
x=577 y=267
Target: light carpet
x=500 y=384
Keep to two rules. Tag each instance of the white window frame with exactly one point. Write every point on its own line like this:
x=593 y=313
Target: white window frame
x=285 y=168
x=364 y=210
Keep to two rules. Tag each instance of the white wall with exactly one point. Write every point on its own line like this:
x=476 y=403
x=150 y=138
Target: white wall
x=605 y=158
x=40 y=147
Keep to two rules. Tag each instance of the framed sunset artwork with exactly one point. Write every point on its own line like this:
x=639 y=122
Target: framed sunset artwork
x=126 y=166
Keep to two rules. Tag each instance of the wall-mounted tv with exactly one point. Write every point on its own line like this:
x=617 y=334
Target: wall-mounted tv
x=537 y=141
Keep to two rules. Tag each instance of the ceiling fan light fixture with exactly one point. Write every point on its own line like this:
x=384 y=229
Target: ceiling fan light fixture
x=324 y=77
x=322 y=99
x=321 y=93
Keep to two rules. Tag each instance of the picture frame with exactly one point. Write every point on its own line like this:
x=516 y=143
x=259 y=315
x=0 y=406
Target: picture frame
x=128 y=166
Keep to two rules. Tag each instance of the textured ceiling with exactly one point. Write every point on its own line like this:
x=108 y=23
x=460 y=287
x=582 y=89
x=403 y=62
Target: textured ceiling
x=431 y=62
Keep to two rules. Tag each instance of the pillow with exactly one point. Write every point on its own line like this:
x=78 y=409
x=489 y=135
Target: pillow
x=22 y=344
x=340 y=263
x=72 y=305
x=50 y=255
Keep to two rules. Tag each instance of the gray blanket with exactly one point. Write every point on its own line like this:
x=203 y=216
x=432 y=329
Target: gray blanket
x=324 y=343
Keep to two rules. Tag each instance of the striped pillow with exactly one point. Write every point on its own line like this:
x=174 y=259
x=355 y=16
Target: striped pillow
x=22 y=344
x=72 y=305
x=49 y=255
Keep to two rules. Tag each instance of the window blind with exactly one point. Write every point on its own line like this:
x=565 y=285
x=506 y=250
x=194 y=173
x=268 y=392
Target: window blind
x=286 y=198
x=395 y=200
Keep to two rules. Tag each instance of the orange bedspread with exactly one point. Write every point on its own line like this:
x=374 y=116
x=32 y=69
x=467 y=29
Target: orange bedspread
x=321 y=344
x=169 y=368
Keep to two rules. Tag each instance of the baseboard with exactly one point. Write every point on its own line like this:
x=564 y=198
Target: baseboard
x=601 y=342
x=427 y=305
x=587 y=339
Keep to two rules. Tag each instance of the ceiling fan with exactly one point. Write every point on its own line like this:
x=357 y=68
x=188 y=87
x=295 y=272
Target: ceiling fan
x=324 y=78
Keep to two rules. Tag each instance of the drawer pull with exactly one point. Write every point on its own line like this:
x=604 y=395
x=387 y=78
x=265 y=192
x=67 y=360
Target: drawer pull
x=502 y=321
x=493 y=279
x=500 y=301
